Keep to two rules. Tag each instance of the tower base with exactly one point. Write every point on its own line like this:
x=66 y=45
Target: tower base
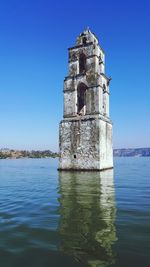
x=85 y=170
x=86 y=144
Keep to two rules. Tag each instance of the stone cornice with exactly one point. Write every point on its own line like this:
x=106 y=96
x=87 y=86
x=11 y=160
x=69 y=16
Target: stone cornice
x=74 y=77
x=88 y=88
x=68 y=90
x=80 y=46
x=84 y=74
x=86 y=45
x=87 y=117
x=91 y=56
x=107 y=78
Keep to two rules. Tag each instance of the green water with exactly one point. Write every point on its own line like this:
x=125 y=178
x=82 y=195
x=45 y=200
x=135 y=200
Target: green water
x=69 y=219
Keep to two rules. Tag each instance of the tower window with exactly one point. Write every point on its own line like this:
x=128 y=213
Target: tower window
x=84 y=40
x=82 y=63
x=75 y=156
x=81 y=98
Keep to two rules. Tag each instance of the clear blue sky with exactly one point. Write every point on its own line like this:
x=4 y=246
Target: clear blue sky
x=34 y=37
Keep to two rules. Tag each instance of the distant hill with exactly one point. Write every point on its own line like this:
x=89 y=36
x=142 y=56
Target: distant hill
x=16 y=154
x=132 y=152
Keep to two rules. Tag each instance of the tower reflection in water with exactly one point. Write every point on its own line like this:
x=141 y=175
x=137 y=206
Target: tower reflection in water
x=87 y=215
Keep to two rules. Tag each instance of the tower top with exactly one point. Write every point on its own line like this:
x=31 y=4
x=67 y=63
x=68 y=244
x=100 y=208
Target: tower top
x=86 y=37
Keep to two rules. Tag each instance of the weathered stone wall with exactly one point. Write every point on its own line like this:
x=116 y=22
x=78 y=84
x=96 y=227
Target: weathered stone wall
x=85 y=144
x=79 y=144
x=97 y=99
x=105 y=142
x=69 y=104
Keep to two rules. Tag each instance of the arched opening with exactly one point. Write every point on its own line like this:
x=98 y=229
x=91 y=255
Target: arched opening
x=84 y=40
x=82 y=63
x=81 y=99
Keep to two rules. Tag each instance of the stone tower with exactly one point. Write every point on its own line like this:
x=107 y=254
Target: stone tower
x=86 y=129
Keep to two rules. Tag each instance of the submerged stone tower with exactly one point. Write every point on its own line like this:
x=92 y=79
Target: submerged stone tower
x=86 y=129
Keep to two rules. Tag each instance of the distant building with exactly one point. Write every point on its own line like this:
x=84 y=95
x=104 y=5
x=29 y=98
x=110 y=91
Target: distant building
x=86 y=129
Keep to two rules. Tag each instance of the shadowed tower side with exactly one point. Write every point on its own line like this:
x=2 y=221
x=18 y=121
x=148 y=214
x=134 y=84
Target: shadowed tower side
x=86 y=129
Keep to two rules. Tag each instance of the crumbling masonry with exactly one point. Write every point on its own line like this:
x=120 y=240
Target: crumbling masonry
x=86 y=129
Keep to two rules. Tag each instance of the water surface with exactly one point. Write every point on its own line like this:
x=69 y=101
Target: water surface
x=70 y=219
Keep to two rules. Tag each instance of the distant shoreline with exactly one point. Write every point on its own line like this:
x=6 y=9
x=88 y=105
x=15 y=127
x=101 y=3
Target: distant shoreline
x=132 y=152
x=18 y=154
